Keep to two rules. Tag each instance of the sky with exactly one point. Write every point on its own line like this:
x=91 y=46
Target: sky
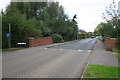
x=88 y=12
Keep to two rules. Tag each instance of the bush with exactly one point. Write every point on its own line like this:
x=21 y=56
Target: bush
x=117 y=44
x=117 y=53
x=57 y=38
x=102 y=39
x=82 y=36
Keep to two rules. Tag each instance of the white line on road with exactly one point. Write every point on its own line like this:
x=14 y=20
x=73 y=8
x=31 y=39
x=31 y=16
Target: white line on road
x=45 y=48
x=80 y=50
x=89 y=51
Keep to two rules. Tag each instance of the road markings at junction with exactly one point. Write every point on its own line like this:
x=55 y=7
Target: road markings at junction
x=45 y=48
x=90 y=51
x=80 y=50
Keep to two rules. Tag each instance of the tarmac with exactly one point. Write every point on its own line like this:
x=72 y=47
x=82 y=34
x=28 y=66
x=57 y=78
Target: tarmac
x=100 y=56
x=44 y=62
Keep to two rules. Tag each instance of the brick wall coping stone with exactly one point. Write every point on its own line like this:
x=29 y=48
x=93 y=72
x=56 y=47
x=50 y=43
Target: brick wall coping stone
x=38 y=37
x=110 y=38
x=113 y=38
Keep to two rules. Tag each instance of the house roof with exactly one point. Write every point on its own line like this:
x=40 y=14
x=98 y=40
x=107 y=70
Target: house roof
x=81 y=31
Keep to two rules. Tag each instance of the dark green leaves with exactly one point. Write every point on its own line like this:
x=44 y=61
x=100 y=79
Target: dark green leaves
x=36 y=19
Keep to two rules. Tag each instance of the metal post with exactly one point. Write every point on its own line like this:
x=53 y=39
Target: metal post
x=9 y=36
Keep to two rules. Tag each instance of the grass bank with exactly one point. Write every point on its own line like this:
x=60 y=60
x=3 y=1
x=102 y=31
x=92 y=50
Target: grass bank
x=117 y=53
x=11 y=49
x=100 y=71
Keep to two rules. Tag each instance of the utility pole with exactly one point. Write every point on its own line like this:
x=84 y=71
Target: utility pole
x=9 y=36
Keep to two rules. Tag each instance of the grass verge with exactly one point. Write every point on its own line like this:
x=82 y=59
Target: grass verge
x=100 y=71
x=117 y=53
x=100 y=39
x=11 y=49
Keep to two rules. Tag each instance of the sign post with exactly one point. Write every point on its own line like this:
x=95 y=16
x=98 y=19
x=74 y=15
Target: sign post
x=8 y=35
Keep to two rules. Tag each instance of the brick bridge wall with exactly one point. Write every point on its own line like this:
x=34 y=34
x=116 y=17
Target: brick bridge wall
x=40 y=41
x=110 y=42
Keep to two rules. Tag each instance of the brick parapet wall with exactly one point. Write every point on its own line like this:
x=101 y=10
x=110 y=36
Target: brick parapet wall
x=110 y=42
x=40 y=41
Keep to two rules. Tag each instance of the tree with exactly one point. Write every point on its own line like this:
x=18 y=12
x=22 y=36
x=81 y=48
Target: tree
x=0 y=30
x=37 y=19
x=20 y=26
x=111 y=28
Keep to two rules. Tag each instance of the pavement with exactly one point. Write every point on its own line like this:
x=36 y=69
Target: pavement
x=47 y=62
x=103 y=57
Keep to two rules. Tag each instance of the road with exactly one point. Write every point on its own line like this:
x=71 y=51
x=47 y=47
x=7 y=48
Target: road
x=85 y=44
x=64 y=61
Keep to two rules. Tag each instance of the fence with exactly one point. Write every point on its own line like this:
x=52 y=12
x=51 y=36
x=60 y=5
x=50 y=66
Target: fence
x=40 y=41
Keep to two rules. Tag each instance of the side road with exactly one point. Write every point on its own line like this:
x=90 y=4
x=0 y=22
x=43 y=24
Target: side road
x=103 y=57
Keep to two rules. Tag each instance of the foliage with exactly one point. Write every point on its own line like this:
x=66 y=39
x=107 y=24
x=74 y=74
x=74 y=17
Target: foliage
x=118 y=36
x=106 y=30
x=100 y=71
x=82 y=36
x=117 y=53
x=36 y=19
x=110 y=27
x=12 y=49
x=0 y=31
x=57 y=38
x=102 y=39
x=21 y=28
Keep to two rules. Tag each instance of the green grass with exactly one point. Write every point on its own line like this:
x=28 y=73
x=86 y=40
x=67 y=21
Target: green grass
x=117 y=53
x=100 y=39
x=11 y=49
x=100 y=71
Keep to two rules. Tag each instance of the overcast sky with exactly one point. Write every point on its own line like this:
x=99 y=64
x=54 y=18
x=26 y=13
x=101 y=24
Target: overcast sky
x=88 y=12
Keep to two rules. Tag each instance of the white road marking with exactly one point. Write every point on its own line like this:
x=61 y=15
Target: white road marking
x=90 y=51
x=45 y=48
x=80 y=50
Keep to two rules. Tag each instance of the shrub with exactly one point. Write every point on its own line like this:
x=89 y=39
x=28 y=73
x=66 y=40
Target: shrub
x=82 y=36
x=57 y=38
x=117 y=43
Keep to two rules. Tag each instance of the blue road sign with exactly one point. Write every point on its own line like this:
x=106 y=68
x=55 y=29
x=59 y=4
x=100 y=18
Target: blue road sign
x=8 y=35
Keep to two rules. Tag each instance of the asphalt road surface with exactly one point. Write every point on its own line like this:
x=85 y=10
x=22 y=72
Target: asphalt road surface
x=64 y=61
x=85 y=44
